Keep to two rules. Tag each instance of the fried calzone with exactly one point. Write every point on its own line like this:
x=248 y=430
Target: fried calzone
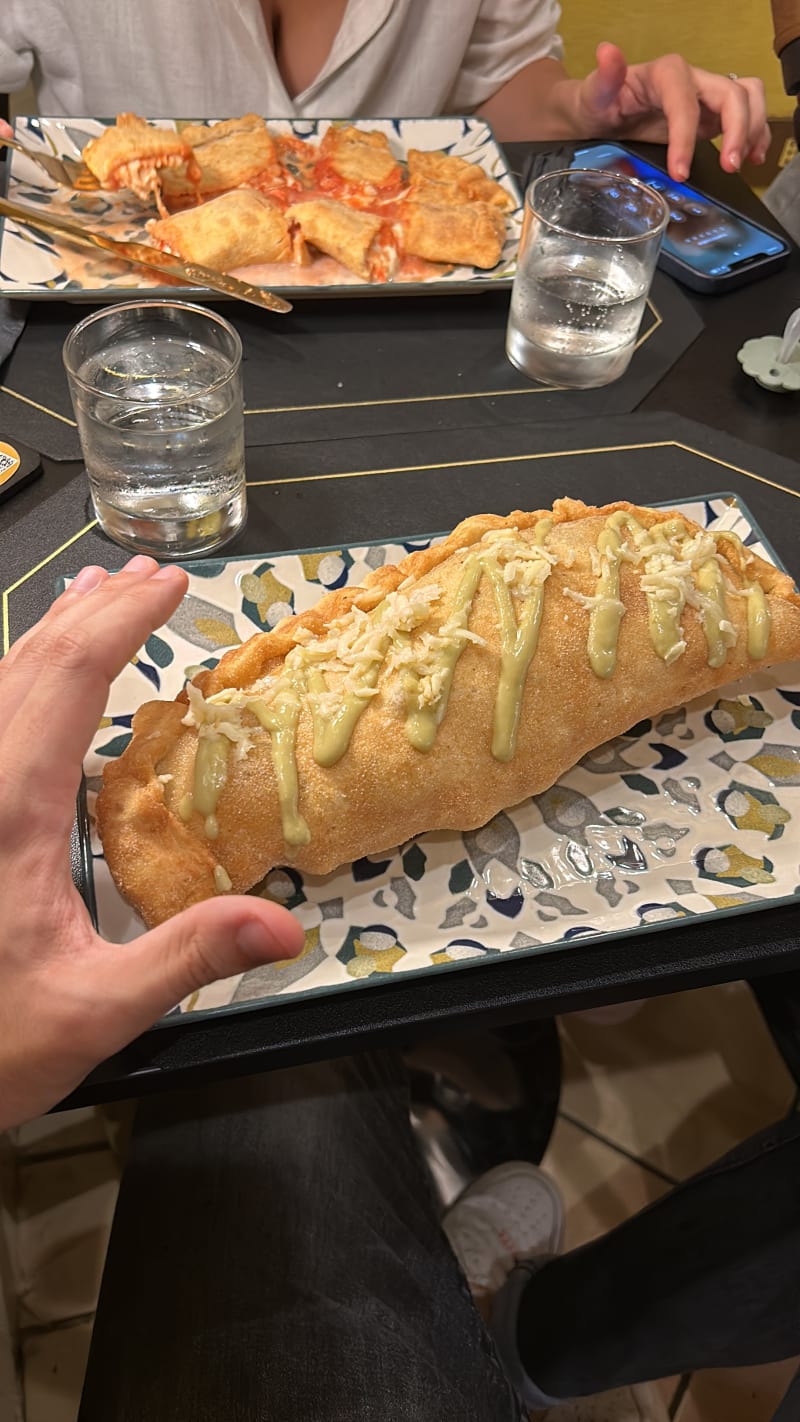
x=351 y=237
x=471 y=235
x=438 y=177
x=134 y=154
x=358 y=156
x=440 y=691
x=239 y=229
x=229 y=155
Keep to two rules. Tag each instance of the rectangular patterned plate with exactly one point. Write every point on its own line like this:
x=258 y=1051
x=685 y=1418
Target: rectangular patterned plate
x=35 y=265
x=686 y=816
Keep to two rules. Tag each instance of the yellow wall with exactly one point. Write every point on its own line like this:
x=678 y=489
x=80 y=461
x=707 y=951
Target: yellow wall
x=734 y=36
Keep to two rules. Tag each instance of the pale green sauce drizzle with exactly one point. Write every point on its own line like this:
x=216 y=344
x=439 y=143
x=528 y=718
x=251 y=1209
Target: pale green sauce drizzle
x=518 y=641
x=210 y=772
x=714 y=611
x=334 y=732
x=280 y=719
x=759 y=621
x=759 y=617
x=422 y=722
x=333 y=728
x=222 y=881
x=605 y=619
x=665 y=608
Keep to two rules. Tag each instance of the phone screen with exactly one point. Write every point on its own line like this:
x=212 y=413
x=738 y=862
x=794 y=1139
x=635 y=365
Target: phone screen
x=711 y=239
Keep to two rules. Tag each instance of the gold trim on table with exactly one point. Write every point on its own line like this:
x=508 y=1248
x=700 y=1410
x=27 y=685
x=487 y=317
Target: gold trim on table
x=417 y=469
x=658 y=320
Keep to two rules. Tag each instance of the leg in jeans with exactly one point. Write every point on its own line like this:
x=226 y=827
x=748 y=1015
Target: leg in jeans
x=276 y=1255
x=707 y=1277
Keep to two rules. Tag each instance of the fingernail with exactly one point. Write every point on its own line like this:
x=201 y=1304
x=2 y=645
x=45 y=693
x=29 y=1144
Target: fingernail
x=87 y=579
x=140 y=564
x=254 y=940
x=169 y=574
x=734 y=159
x=681 y=172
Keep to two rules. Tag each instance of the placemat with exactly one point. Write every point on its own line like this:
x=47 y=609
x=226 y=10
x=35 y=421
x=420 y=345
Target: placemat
x=355 y=490
x=336 y=368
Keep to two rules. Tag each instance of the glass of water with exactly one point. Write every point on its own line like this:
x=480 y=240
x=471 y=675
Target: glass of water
x=157 y=392
x=588 y=251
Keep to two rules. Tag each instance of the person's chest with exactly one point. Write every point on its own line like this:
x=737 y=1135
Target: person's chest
x=301 y=34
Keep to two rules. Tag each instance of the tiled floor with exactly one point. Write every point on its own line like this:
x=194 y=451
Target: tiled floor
x=663 y=1093
x=645 y=1101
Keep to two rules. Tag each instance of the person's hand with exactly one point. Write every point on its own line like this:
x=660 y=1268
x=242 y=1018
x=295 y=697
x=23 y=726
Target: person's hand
x=6 y=131
x=669 y=100
x=68 y=999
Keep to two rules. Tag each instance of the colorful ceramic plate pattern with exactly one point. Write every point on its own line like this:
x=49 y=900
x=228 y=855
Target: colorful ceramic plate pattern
x=35 y=265
x=686 y=816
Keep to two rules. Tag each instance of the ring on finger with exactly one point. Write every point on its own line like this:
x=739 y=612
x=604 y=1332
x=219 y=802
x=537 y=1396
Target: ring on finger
x=734 y=77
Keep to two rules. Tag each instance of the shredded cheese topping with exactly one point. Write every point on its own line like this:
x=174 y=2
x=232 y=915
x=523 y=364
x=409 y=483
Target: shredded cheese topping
x=221 y=715
x=336 y=675
x=593 y=601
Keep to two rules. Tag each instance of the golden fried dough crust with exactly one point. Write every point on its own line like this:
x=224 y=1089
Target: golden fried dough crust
x=383 y=791
x=438 y=177
x=360 y=155
x=228 y=154
x=470 y=235
x=132 y=140
x=238 y=229
x=342 y=233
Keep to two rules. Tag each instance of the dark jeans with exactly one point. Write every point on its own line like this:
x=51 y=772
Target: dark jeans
x=276 y=1254
x=707 y=1277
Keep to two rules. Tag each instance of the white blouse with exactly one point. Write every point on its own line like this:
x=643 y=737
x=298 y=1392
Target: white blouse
x=214 y=59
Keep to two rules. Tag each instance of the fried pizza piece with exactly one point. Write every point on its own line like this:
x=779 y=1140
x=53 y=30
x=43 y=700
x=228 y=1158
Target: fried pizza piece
x=439 y=178
x=361 y=241
x=357 y=165
x=239 y=229
x=135 y=154
x=470 y=235
x=231 y=154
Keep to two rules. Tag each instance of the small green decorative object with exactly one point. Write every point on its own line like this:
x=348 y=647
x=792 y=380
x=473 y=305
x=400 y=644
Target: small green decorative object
x=774 y=361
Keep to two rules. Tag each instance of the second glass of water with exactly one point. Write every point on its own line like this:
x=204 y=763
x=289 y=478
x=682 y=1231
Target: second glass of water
x=157 y=392
x=587 y=255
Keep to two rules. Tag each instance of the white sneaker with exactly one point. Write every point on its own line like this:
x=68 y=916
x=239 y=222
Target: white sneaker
x=513 y=1212
x=641 y=1403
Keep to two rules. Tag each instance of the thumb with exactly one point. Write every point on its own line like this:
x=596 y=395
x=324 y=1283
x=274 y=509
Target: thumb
x=214 y=939
x=601 y=89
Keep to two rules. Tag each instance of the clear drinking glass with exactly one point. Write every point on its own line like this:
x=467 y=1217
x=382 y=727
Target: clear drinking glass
x=588 y=251
x=157 y=392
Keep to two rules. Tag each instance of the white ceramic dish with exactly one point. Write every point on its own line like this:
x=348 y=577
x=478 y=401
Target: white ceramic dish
x=685 y=817
x=37 y=266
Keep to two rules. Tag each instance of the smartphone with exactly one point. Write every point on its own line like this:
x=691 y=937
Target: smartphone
x=706 y=246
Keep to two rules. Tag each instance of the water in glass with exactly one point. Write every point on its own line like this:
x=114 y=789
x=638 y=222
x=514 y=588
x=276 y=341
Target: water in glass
x=575 y=317
x=163 y=439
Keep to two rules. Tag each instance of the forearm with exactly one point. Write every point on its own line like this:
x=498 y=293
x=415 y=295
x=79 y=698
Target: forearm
x=538 y=103
x=786 y=20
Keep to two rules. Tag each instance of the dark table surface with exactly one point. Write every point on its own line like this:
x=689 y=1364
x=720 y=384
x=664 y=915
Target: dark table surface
x=424 y=473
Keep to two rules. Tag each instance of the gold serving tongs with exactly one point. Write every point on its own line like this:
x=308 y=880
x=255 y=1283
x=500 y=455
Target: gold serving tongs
x=140 y=255
x=67 y=172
